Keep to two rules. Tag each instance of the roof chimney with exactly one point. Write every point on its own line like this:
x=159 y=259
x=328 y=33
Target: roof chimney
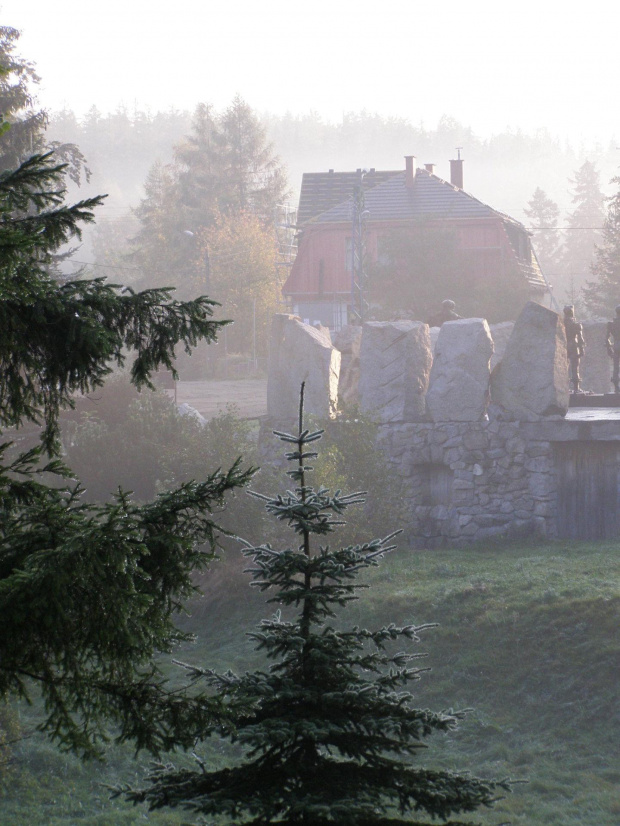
x=456 y=170
x=410 y=166
x=430 y=168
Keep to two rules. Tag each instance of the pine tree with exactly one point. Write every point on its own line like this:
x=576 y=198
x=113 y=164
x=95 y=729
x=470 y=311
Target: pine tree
x=87 y=593
x=603 y=294
x=328 y=733
x=583 y=233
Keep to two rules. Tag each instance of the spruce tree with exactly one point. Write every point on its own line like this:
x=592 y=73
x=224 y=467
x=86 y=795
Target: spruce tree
x=328 y=733
x=17 y=102
x=603 y=294
x=584 y=231
x=543 y=214
x=18 y=105
x=87 y=593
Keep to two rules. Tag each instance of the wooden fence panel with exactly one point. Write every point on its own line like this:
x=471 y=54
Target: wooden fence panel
x=588 y=477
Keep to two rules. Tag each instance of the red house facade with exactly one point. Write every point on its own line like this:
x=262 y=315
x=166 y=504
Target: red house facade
x=490 y=244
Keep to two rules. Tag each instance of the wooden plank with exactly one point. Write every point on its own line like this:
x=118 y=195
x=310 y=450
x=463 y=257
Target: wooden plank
x=588 y=476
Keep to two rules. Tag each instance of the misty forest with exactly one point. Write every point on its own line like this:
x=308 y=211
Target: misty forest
x=309 y=468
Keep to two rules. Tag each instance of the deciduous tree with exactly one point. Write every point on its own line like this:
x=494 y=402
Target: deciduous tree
x=224 y=169
x=240 y=253
x=420 y=267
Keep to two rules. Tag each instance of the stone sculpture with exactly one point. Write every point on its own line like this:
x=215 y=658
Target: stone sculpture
x=447 y=313
x=575 y=345
x=594 y=365
x=613 y=347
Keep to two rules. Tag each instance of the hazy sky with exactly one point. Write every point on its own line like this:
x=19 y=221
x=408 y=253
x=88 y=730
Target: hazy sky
x=490 y=65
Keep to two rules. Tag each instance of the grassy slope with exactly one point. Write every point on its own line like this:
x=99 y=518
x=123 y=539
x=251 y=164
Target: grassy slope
x=527 y=639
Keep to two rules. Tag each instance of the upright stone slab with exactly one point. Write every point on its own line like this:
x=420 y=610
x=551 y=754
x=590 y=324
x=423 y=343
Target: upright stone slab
x=395 y=363
x=300 y=353
x=458 y=389
x=596 y=365
x=531 y=381
x=348 y=342
x=500 y=333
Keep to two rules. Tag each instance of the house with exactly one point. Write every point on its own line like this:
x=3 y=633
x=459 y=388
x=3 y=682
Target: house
x=320 y=284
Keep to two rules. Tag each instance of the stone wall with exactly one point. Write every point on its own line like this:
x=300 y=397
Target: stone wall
x=464 y=482
x=468 y=472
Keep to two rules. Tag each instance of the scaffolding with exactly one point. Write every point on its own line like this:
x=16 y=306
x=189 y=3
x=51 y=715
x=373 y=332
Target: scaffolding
x=285 y=222
x=359 y=276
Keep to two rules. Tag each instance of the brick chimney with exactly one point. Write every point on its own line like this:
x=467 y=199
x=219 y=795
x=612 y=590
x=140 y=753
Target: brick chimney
x=410 y=167
x=456 y=171
x=430 y=168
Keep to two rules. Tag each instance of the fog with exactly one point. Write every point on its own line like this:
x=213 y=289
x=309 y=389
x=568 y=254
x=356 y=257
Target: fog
x=527 y=616
x=526 y=66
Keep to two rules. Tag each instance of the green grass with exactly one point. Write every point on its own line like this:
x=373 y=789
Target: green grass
x=527 y=639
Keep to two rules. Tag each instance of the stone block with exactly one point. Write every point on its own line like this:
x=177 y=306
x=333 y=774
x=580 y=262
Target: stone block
x=475 y=439
x=395 y=363
x=500 y=333
x=531 y=381
x=348 y=341
x=459 y=382
x=300 y=353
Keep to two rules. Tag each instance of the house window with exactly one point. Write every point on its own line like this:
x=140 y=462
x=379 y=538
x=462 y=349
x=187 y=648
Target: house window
x=520 y=242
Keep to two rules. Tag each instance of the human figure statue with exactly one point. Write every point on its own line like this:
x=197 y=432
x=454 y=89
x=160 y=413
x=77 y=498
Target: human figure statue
x=445 y=314
x=613 y=346
x=575 y=345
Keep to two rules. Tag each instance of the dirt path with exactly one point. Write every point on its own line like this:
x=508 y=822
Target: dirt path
x=249 y=396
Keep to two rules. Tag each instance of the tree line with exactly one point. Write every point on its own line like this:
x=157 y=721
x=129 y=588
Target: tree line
x=565 y=209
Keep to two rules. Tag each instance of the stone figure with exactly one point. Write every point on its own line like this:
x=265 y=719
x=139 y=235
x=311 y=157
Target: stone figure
x=613 y=346
x=575 y=345
x=445 y=314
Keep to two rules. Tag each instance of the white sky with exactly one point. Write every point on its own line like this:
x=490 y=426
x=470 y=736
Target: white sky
x=491 y=65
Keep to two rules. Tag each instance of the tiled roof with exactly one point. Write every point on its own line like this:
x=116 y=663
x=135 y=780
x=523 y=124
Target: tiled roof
x=533 y=274
x=321 y=191
x=429 y=197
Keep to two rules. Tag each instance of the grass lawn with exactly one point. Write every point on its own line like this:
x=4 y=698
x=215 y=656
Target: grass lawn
x=527 y=639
